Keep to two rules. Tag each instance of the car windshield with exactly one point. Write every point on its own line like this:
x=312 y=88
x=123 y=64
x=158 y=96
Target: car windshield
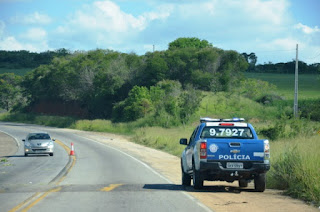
x=38 y=136
x=226 y=132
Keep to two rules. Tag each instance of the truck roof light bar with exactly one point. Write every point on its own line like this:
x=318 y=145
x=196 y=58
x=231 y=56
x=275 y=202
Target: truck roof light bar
x=207 y=119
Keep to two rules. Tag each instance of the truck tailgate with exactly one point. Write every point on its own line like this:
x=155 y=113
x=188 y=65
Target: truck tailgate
x=235 y=149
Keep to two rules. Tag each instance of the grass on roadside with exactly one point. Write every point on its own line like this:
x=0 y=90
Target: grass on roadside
x=99 y=125
x=295 y=167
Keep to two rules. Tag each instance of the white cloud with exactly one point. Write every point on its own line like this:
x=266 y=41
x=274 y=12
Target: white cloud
x=306 y=29
x=107 y=16
x=2 y=27
x=11 y=43
x=282 y=44
x=103 y=24
x=33 y=40
x=34 y=18
x=35 y=34
x=271 y=12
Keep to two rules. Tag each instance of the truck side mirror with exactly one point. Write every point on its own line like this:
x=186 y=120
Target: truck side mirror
x=183 y=141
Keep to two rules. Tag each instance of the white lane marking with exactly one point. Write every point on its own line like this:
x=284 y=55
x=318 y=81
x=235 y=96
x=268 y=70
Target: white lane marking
x=151 y=169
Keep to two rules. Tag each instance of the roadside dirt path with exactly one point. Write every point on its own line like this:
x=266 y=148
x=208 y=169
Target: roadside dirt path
x=8 y=146
x=218 y=196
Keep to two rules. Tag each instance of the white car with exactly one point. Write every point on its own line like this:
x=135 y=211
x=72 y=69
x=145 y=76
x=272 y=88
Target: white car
x=38 y=143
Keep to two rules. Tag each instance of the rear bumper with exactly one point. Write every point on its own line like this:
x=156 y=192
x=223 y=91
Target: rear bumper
x=218 y=171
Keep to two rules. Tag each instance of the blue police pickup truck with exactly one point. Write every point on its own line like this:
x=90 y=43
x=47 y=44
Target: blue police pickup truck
x=225 y=150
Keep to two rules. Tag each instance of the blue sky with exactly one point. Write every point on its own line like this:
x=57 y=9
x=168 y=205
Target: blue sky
x=270 y=28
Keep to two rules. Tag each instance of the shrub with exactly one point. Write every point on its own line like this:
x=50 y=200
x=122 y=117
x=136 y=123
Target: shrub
x=256 y=89
x=310 y=109
x=273 y=132
x=269 y=99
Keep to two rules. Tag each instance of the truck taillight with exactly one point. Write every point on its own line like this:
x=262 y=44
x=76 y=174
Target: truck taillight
x=266 y=149
x=203 y=150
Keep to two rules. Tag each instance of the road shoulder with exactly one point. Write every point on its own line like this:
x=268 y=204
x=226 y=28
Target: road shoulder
x=218 y=196
x=8 y=145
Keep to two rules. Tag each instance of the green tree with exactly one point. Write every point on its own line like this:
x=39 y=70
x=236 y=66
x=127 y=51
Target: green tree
x=230 y=72
x=189 y=43
x=10 y=91
x=138 y=104
x=189 y=103
x=156 y=69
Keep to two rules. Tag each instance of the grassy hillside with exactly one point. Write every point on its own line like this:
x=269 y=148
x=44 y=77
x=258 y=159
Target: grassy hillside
x=309 y=84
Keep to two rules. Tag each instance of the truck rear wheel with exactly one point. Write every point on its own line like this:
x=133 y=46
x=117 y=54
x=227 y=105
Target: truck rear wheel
x=197 y=179
x=186 y=179
x=260 y=183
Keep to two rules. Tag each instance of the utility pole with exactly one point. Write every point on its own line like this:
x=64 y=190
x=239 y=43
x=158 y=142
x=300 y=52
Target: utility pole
x=295 y=104
x=153 y=48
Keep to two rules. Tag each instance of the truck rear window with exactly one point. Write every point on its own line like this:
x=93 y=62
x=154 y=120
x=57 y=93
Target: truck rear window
x=226 y=132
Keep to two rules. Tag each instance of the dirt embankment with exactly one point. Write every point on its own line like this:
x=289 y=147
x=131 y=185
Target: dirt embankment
x=218 y=196
x=8 y=146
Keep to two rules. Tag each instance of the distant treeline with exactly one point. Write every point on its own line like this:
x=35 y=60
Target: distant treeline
x=280 y=68
x=288 y=68
x=108 y=84
x=25 y=59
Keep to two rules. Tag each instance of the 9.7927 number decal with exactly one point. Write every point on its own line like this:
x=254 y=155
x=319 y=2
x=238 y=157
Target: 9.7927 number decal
x=226 y=132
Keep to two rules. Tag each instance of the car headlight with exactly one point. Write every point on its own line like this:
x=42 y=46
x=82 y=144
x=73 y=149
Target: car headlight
x=27 y=144
x=50 y=145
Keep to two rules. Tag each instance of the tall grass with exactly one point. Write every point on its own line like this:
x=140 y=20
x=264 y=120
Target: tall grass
x=163 y=139
x=223 y=105
x=295 y=167
x=103 y=126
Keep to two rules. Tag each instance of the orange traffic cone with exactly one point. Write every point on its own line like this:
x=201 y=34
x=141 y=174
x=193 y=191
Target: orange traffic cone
x=72 y=149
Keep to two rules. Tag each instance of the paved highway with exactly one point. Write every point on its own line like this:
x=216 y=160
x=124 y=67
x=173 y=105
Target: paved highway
x=97 y=178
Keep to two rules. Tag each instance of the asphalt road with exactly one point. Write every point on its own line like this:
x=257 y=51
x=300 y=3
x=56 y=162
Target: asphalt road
x=98 y=178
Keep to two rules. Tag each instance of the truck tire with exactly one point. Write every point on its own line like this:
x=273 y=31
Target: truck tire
x=243 y=183
x=197 y=179
x=186 y=179
x=260 y=183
